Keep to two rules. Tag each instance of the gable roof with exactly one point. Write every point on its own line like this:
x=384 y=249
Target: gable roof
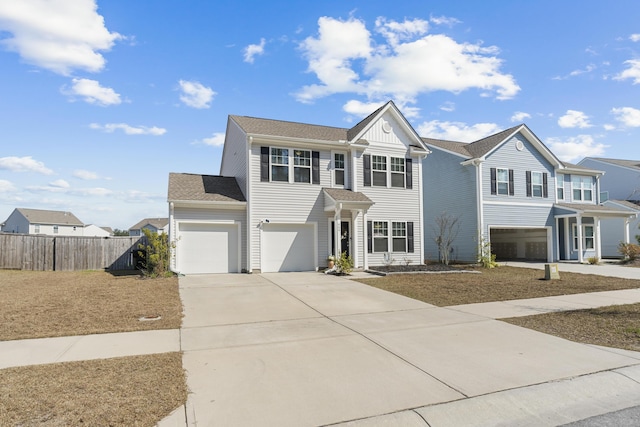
x=40 y=216
x=633 y=164
x=155 y=222
x=204 y=188
x=280 y=128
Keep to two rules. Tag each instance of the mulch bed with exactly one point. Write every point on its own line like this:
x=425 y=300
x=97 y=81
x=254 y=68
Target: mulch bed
x=417 y=268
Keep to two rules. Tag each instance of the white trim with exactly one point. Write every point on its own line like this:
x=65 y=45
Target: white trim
x=238 y=227
x=480 y=207
x=564 y=197
x=307 y=224
x=249 y=221
x=541 y=196
x=337 y=234
x=540 y=205
x=421 y=216
x=332 y=168
x=498 y=193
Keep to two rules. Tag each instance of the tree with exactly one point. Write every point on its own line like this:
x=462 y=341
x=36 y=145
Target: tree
x=445 y=231
x=118 y=232
x=155 y=253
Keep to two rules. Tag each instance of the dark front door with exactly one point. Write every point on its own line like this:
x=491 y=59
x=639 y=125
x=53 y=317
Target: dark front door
x=345 y=237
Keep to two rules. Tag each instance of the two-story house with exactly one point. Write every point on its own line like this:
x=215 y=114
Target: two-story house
x=511 y=192
x=41 y=221
x=155 y=225
x=620 y=188
x=289 y=195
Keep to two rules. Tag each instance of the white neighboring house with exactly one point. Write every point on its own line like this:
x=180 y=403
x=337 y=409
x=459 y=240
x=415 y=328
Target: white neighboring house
x=94 y=230
x=292 y=194
x=156 y=225
x=46 y=222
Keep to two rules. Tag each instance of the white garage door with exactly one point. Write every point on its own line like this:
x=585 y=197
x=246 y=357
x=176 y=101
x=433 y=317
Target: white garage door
x=288 y=247
x=207 y=248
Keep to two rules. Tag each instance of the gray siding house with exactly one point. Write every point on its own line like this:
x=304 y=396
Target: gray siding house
x=510 y=191
x=289 y=195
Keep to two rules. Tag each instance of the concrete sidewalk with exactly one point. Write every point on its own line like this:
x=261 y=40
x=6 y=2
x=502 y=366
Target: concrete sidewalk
x=309 y=349
x=603 y=269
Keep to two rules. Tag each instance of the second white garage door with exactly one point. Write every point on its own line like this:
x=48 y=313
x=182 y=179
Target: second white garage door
x=288 y=247
x=207 y=248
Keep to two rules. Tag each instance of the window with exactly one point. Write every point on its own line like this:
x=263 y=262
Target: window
x=55 y=229
x=536 y=184
x=503 y=181
x=588 y=240
x=397 y=172
x=380 y=236
x=280 y=164
x=379 y=170
x=36 y=228
x=338 y=169
x=582 y=188
x=560 y=186
x=399 y=236
x=301 y=166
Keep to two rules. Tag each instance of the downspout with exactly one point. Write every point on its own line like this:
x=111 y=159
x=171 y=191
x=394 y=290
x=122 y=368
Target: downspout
x=480 y=201
x=172 y=240
x=248 y=225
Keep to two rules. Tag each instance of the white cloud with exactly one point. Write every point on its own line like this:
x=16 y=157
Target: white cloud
x=634 y=37
x=84 y=174
x=589 y=68
x=609 y=127
x=60 y=183
x=628 y=116
x=444 y=20
x=24 y=164
x=216 y=140
x=346 y=58
x=129 y=130
x=574 y=119
x=195 y=94
x=92 y=92
x=58 y=35
x=456 y=131
x=574 y=148
x=633 y=72
x=253 y=50
x=82 y=192
x=361 y=109
x=519 y=116
x=6 y=186
x=448 y=106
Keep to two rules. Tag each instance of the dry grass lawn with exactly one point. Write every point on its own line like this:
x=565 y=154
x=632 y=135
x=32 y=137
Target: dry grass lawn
x=128 y=391
x=497 y=284
x=38 y=304
x=614 y=326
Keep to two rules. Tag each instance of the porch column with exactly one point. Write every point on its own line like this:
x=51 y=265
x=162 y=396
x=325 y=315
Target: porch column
x=579 y=229
x=626 y=229
x=567 y=239
x=365 y=251
x=337 y=227
x=596 y=221
x=557 y=241
x=354 y=237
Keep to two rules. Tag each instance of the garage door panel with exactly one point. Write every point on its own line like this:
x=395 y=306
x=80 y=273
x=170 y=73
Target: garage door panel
x=288 y=247
x=519 y=243
x=207 y=248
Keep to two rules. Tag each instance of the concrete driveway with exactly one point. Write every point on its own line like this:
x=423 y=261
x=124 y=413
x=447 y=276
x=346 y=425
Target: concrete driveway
x=306 y=349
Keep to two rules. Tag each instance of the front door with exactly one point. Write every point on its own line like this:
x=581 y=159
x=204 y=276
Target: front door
x=345 y=237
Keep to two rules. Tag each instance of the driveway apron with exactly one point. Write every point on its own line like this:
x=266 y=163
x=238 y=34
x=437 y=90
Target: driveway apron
x=306 y=349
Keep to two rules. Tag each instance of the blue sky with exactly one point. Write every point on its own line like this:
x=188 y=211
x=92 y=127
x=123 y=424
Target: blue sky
x=99 y=101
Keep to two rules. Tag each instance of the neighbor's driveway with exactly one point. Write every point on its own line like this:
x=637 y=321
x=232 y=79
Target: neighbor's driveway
x=308 y=349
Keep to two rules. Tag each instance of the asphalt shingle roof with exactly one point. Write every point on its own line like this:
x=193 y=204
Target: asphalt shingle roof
x=207 y=188
x=257 y=126
x=39 y=216
x=340 y=195
x=635 y=164
x=474 y=149
x=156 y=222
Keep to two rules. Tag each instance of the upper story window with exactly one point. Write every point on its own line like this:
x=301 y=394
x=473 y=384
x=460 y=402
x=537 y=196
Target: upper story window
x=582 y=187
x=338 y=169
x=279 y=164
x=36 y=228
x=397 y=172
x=301 y=166
x=502 y=180
x=537 y=184
x=55 y=229
x=379 y=170
x=560 y=186
x=289 y=165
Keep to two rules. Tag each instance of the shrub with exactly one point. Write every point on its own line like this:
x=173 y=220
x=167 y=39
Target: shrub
x=593 y=260
x=629 y=251
x=485 y=257
x=344 y=264
x=156 y=253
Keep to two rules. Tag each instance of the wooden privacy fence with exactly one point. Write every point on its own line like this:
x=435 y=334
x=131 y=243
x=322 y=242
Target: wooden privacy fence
x=67 y=253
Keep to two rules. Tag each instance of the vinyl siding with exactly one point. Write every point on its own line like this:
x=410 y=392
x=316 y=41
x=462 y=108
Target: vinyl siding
x=213 y=215
x=450 y=187
x=235 y=155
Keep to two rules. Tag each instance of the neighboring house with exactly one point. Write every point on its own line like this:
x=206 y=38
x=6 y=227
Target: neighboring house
x=38 y=221
x=620 y=184
x=94 y=230
x=292 y=194
x=510 y=191
x=616 y=230
x=155 y=225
